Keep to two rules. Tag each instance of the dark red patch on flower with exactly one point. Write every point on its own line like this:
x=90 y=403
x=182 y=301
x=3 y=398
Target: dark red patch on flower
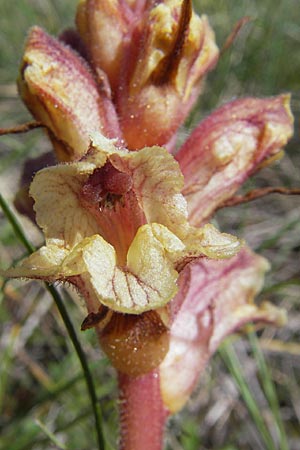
x=115 y=182
x=109 y=196
x=104 y=181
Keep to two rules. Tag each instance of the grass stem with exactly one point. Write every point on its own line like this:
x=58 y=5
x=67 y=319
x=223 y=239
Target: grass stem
x=68 y=324
x=268 y=386
x=231 y=360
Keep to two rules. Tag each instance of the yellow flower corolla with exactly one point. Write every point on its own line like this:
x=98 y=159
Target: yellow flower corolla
x=123 y=247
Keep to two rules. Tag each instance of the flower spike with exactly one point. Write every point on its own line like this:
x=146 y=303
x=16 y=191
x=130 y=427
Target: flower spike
x=124 y=220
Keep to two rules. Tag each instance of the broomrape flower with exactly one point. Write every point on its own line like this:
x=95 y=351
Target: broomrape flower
x=116 y=227
x=124 y=216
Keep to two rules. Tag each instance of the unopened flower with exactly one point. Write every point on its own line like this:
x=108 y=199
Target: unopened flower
x=229 y=146
x=61 y=92
x=144 y=63
x=174 y=49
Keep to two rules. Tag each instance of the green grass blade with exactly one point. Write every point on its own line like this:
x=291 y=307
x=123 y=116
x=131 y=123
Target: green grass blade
x=71 y=331
x=230 y=359
x=269 y=388
x=50 y=435
x=15 y=225
x=80 y=353
x=281 y=285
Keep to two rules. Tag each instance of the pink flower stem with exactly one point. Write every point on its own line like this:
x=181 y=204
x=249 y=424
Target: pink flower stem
x=142 y=413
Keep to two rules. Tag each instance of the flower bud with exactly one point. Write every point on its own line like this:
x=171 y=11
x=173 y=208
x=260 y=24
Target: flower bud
x=171 y=50
x=102 y=26
x=229 y=146
x=58 y=88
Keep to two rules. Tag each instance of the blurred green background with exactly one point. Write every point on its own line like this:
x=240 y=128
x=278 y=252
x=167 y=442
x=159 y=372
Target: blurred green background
x=43 y=398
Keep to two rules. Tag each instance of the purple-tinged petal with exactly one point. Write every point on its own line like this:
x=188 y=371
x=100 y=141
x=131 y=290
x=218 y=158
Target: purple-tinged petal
x=215 y=298
x=228 y=146
x=60 y=91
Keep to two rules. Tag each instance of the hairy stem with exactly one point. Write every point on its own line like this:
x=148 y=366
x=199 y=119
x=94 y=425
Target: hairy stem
x=142 y=413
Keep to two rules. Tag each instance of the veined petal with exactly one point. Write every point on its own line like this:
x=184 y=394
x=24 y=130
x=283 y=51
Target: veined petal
x=227 y=147
x=149 y=279
x=60 y=91
x=43 y=264
x=214 y=299
x=56 y=191
x=147 y=282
